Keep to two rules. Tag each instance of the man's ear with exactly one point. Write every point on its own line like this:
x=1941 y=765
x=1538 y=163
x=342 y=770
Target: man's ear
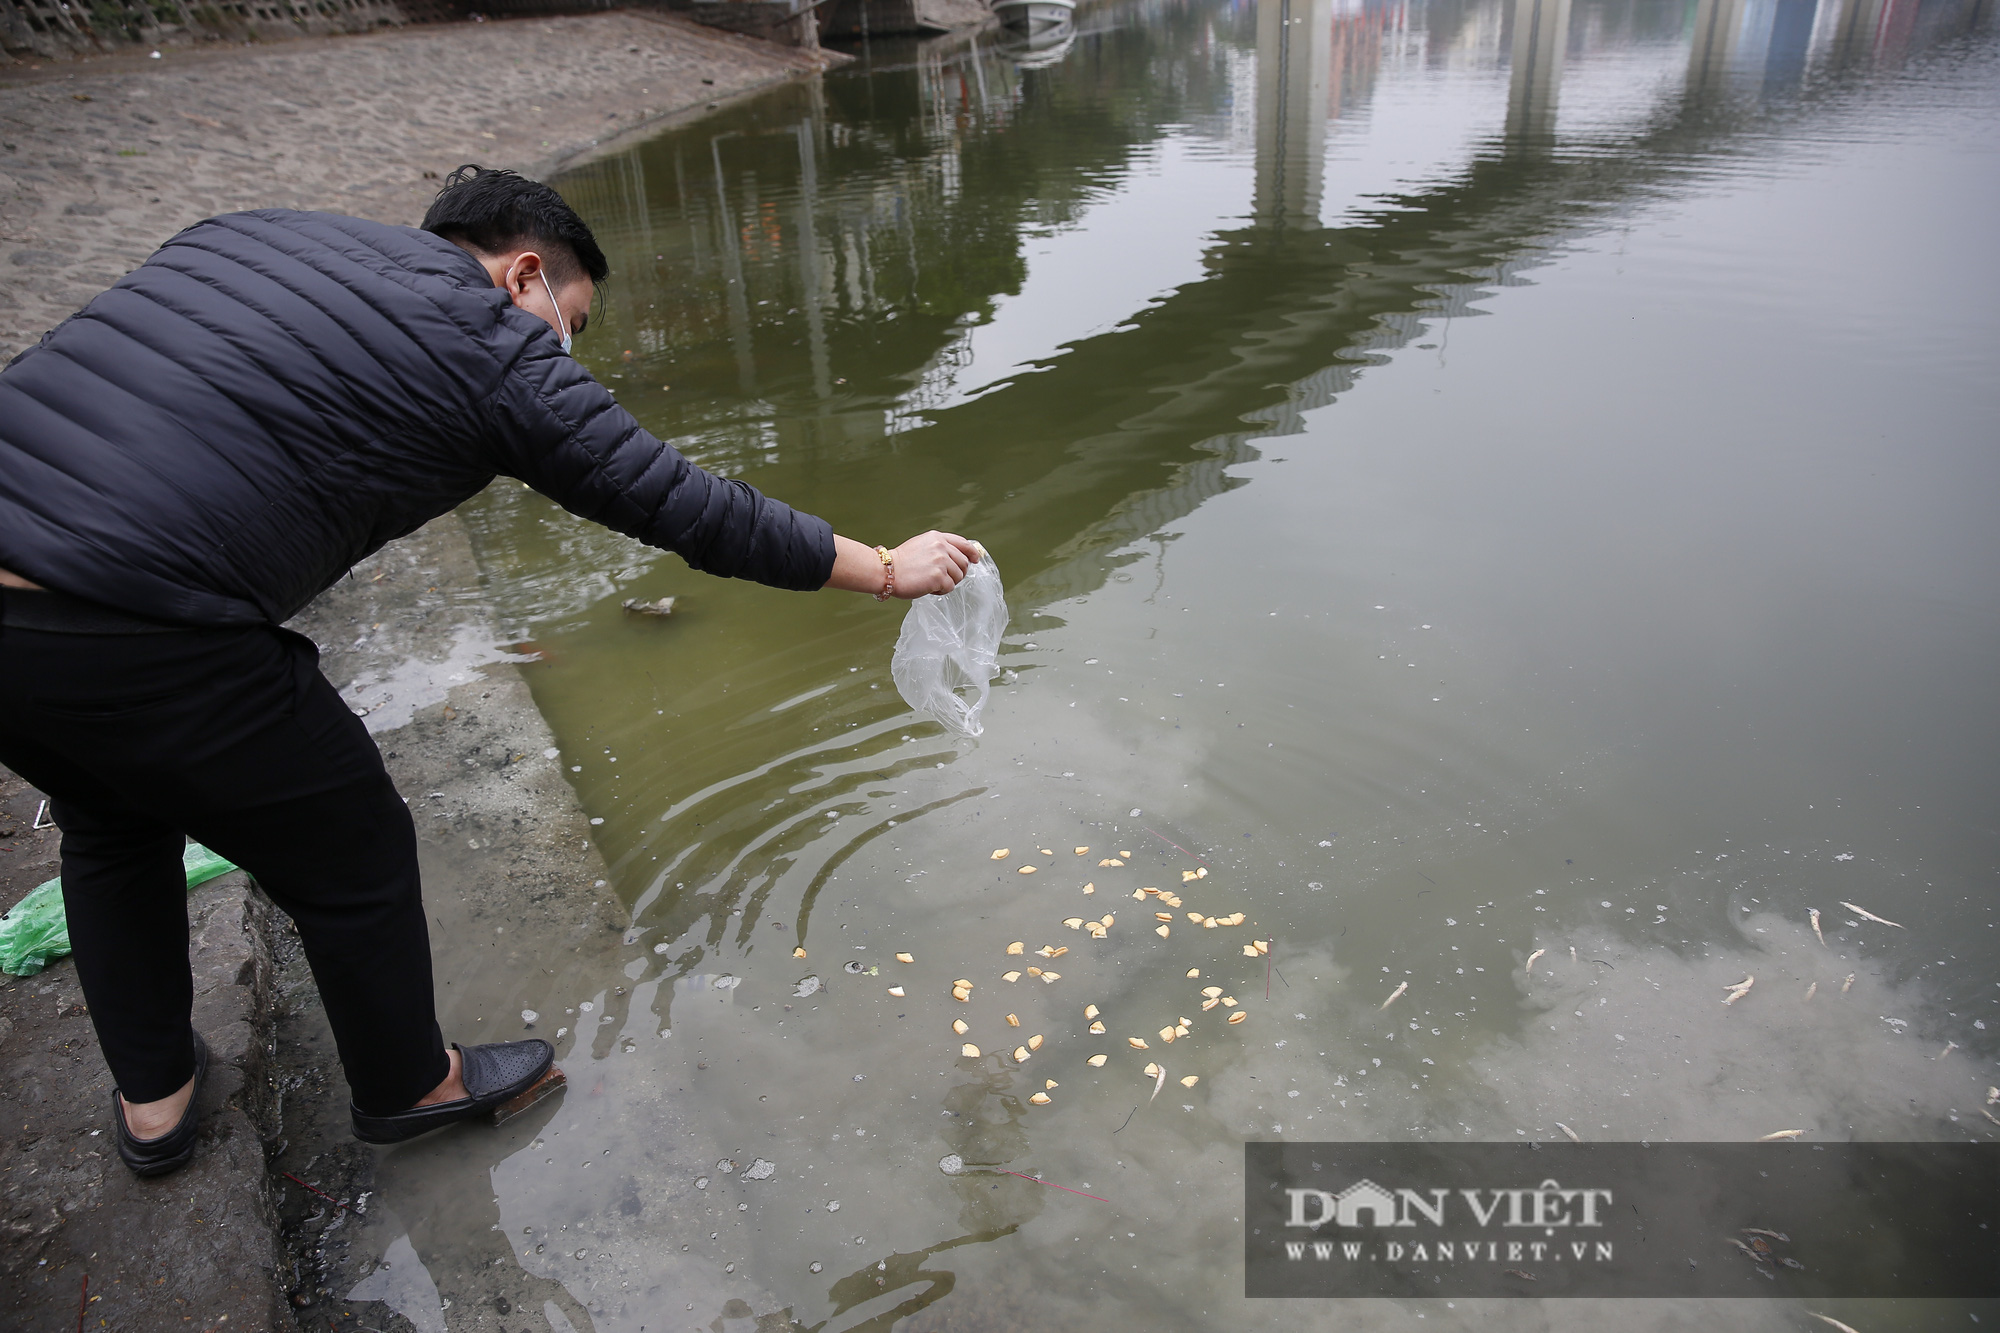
x=520 y=271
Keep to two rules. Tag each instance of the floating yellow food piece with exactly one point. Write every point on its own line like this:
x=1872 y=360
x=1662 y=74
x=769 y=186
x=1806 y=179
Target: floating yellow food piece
x=1053 y=950
x=969 y=1051
x=1045 y=851
x=1126 y=855
x=961 y=993
x=1040 y=1099
x=1090 y=888
x=1229 y=1002
x=1211 y=991
x=1201 y=873
x=1152 y=1071
x=1163 y=916
x=1207 y=1005
x=1161 y=931
x=1097 y=932
x=1051 y=978
x=1018 y=946
x=1050 y=1083
x=1082 y=850
x=1097 y=1027
x=999 y=854
x=1194 y=971
x=1262 y=946
x=1139 y=895
x=905 y=958
x=1090 y=1011
x=1181 y=1030
x=1097 y=1061
x=1249 y=951
x=1171 y=899
x=1073 y=922
x=1010 y=976
x=960 y=1026
x=1167 y=1035
x=896 y=991
x=1034 y=971
x=799 y=952
x=1208 y=923
x=1025 y=870
x=1143 y=892
x=1187 y=876
x=1035 y=1042
x=1238 y=1016
x=1110 y=861
x=1190 y=1080
x=1137 y=1043
x=1235 y=919
x=1020 y=1053
x=1106 y=921
x=1192 y=916
x=1013 y=1021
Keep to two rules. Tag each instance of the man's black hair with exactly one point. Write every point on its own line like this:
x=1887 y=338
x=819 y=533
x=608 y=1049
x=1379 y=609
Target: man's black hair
x=495 y=212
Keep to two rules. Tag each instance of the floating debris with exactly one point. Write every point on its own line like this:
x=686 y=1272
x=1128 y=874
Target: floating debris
x=529 y=1016
x=806 y=986
x=1238 y=1016
x=999 y=854
x=701 y=1182
x=1572 y=953
x=906 y=958
x=1778 y=1135
x=1040 y=1099
x=760 y=1170
x=896 y=991
x=1394 y=995
x=1812 y=990
x=1533 y=956
x=635 y=607
x=960 y=1026
x=854 y=967
x=969 y=1051
x=1846 y=984
x=1812 y=913
x=951 y=1164
x=1740 y=989
x=1761 y=1231
x=1567 y=1131
x=1190 y=1080
x=1867 y=915
x=1949 y=1047
x=1097 y=1061
x=1829 y=1319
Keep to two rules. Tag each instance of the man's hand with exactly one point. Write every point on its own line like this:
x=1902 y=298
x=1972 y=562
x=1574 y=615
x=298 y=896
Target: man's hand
x=927 y=563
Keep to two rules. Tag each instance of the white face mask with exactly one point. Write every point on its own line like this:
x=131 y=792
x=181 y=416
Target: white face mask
x=562 y=325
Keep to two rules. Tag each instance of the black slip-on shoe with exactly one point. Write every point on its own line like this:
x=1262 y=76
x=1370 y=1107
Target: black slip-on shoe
x=494 y=1074
x=170 y=1151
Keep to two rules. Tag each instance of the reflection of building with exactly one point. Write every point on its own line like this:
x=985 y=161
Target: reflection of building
x=1294 y=48
x=1541 y=39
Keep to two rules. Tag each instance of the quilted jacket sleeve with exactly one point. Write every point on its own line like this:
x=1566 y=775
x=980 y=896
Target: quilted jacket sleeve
x=559 y=430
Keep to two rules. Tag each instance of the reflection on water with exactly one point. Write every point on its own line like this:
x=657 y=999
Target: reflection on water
x=1624 y=626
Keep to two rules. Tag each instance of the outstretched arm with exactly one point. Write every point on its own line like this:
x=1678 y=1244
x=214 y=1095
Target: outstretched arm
x=927 y=563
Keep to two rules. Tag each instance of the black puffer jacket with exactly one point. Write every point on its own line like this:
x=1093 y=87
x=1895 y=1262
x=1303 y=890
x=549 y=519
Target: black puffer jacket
x=274 y=395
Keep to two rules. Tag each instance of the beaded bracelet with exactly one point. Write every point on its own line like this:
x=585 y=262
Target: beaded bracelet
x=888 y=574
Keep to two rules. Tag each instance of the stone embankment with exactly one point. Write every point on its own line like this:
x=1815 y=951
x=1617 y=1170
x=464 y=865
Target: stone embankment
x=100 y=161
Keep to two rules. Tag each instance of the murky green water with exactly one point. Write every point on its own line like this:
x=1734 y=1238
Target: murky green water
x=1476 y=478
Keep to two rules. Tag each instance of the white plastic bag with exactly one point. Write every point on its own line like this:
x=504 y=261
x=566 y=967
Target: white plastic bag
x=949 y=650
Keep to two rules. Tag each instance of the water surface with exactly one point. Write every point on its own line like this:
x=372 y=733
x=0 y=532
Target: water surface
x=1476 y=479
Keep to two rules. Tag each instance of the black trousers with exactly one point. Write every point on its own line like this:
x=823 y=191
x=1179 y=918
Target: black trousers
x=234 y=738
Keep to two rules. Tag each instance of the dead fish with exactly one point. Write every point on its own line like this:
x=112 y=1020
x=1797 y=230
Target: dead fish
x=1813 y=913
x=1949 y=1047
x=1847 y=983
x=1572 y=953
x=1812 y=990
x=1762 y=1231
x=1791 y=1263
x=1394 y=995
x=1867 y=915
x=1992 y=1096
x=1533 y=956
x=1829 y=1319
x=1740 y=989
x=634 y=607
x=1567 y=1130
x=1159 y=1081
x=1989 y=1115
x=1778 y=1134
x=1520 y=1273
x=1755 y=1257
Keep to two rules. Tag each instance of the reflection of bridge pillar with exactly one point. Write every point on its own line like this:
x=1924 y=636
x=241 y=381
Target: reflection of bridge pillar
x=1541 y=39
x=1294 y=53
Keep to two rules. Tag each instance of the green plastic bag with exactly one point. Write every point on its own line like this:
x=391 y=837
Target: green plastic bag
x=35 y=929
